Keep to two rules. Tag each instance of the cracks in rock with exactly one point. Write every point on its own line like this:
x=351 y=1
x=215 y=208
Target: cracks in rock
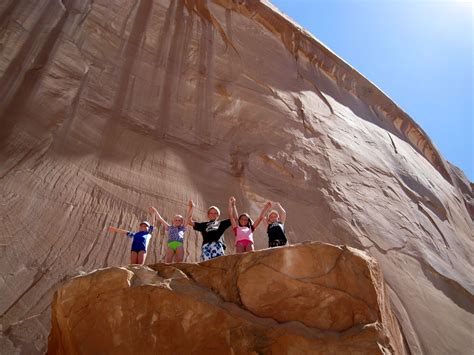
x=119 y=223
x=36 y=279
x=18 y=83
x=43 y=148
x=289 y=325
x=261 y=84
x=420 y=194
x=386 y=251
x=71 y=111
x=171 y=43
x=393 y=143
x=449 y=287
x=7 y=13
x=202 y=10
x=300 y=112
x=322 y=286
x=433 y=222
x=298 y=109
x=125 y=23
x=29 y=153
x=316 y=88
x=90 y=5
x=130 y=52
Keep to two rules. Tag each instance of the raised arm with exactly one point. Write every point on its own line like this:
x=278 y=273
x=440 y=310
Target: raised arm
x=265 y=209
x=189 y=220
x=232 y=210
x=282 y=213
x=153 y=210
x=189 y=213
x=117 y=230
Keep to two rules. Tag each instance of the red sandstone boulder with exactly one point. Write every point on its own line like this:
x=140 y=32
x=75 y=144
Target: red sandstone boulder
x=312 y=298
x=110 y=106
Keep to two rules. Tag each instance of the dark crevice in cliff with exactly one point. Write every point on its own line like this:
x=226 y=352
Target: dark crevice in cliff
x=449 y=287
x=393 y=143
x=200 y=7
x=168 y=85
x=130 y=53
x=5 y=15
x=17 y=96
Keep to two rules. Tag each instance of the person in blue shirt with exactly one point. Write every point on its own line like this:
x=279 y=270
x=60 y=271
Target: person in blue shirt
x=139 y=243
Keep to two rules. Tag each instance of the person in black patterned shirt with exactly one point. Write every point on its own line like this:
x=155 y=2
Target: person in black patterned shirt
x=212 y=233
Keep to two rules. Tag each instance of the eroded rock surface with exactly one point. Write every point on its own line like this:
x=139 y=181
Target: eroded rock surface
x=313 y=298
x=109 y=106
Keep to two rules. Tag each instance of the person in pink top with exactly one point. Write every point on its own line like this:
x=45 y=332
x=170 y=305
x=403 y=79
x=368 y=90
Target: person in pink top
x=244 y=227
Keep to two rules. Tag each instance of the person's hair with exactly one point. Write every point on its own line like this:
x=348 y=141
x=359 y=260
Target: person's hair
x=179 y=216
x=146 y=224
x=249 y=223
x=273 y=211
x=214 y=208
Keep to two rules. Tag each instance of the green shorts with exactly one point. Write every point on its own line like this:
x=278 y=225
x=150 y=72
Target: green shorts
x=174 y=245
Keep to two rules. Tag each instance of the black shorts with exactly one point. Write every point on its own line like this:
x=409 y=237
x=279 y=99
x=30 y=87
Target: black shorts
x=276 y=243
x=137 y=251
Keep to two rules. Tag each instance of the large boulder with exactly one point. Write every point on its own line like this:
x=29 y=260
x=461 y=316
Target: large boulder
x=313 y=298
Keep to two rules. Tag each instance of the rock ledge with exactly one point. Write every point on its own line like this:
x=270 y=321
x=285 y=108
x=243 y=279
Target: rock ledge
x=307 y=298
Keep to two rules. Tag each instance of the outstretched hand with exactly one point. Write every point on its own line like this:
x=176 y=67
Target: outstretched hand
x=153 y=210
x=232 y=200
x=191 y=203
x=112 y=229
x=268 y=205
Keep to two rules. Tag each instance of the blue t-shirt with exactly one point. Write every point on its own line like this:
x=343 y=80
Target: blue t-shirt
x=140 y=239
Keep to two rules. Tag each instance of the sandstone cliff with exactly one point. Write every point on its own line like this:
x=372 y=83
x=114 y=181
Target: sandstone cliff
x=108 y=106
x=304 y=299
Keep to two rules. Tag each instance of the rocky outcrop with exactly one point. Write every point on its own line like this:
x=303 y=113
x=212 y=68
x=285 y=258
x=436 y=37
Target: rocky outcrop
x=312 y=298
x=109 y=106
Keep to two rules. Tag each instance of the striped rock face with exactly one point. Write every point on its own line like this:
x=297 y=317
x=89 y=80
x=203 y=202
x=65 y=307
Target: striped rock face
x=110 y=106
x=306 y=299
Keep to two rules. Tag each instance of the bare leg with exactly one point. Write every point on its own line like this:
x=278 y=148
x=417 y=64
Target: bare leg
x=133 y=257
x=169 y=256
x=249 y=247
x=141 y=257
x=179 y=254
x=240 y=248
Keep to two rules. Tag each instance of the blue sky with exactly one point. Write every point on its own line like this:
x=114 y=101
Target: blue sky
x=419 y=52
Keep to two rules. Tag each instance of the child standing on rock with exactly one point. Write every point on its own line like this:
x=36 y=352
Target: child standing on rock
x=175 y=234
x=244 y=227
x=212 y=234
x=140 y=241
x=276 y=227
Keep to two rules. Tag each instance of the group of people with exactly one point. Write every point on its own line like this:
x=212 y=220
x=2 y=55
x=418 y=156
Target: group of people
x=212 y=231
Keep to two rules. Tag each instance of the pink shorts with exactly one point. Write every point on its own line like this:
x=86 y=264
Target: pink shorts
x=244 y=242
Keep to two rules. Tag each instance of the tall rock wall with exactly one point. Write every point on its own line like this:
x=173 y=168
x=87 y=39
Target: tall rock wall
x=109 y=106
